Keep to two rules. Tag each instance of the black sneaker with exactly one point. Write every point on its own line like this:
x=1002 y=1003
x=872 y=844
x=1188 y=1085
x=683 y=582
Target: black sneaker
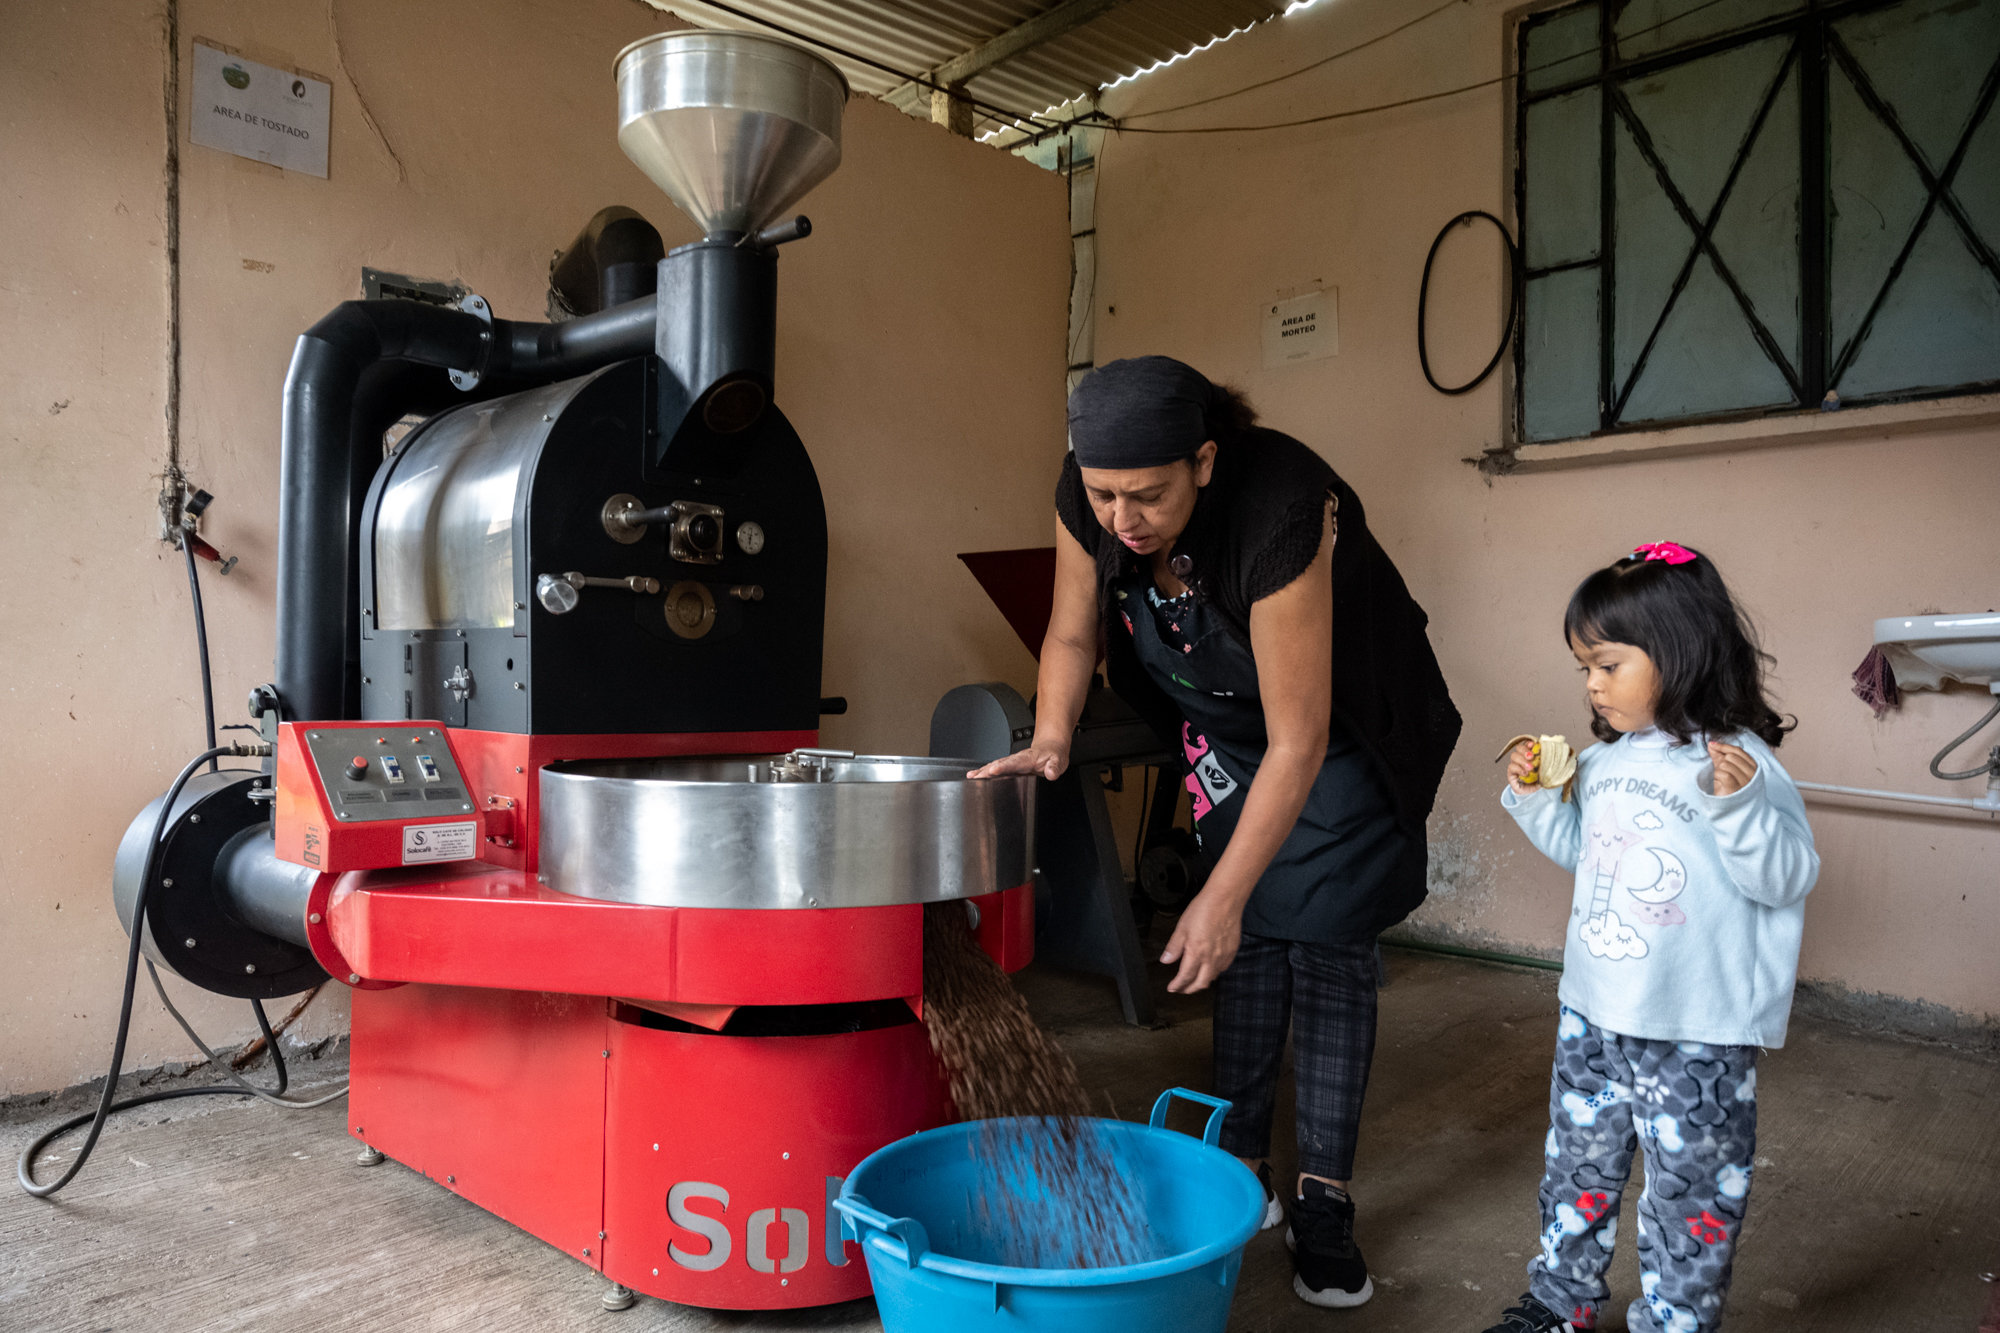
x=1331 y=1271
x=1531 y=1316
x=1274 y=1212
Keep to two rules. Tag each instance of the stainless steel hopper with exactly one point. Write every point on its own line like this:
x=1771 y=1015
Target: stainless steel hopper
x=735 y=127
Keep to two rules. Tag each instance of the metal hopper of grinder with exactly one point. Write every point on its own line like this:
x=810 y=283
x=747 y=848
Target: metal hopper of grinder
x=735 y=127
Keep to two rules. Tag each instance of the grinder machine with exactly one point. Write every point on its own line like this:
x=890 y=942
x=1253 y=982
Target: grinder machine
x=635 y=965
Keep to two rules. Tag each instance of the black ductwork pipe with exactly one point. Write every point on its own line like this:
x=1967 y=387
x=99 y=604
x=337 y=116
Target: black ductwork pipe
x=718 y=341
x=350 y=380
x=611 y=261
x=264 y=893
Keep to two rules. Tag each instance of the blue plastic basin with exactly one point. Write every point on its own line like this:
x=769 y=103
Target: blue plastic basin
x=933 y=1256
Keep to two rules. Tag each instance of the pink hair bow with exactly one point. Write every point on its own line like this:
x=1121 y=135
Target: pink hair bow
x=1671 y=552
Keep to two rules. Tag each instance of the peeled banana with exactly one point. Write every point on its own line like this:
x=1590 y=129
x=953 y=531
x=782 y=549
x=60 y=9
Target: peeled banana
x=1555 y=762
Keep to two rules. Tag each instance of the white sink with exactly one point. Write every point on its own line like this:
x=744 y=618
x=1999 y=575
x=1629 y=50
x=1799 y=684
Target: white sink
x=1928 y=650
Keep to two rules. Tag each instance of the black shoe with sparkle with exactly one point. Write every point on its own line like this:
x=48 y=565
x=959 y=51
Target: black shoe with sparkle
x=1331 y=1271
x=1531 y=1316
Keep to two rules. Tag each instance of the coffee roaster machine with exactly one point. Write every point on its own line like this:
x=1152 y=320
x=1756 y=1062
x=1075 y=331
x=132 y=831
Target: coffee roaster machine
x=634 y=963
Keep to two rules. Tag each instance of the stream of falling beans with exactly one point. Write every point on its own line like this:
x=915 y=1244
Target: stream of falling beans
x=1055 y=1193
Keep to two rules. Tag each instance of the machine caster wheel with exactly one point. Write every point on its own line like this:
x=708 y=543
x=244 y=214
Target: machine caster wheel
x=369 y=1157
x=618 y=1298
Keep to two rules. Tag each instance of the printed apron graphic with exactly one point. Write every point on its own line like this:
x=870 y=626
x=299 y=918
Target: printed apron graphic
x=1616 y=857
x=1208 y=781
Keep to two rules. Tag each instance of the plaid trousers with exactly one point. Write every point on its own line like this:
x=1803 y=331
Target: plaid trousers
x=1324 y=994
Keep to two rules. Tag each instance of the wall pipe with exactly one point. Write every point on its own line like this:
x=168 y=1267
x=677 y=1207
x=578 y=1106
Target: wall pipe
x=1987 y=804
x=1482 y=955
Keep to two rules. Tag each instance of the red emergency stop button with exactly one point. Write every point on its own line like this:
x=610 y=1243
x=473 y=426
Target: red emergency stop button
x=357 y=769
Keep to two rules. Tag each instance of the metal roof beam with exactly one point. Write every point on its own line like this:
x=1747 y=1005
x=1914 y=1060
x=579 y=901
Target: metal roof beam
x=1044 y=27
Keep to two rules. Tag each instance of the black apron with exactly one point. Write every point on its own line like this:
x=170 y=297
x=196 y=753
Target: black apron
x=1348 y=870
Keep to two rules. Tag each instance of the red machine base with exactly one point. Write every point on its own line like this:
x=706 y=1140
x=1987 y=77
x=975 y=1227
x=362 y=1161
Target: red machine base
x=691 y=1166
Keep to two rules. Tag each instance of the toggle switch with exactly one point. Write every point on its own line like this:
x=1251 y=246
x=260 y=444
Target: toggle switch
x=357 y=768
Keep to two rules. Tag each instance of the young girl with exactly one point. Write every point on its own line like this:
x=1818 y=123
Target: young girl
x=1693 y=859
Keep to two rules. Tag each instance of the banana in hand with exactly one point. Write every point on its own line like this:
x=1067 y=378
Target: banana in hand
x=1555 y=762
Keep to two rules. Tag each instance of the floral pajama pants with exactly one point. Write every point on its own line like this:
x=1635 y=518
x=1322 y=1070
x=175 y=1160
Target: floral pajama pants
x=1693 y=1109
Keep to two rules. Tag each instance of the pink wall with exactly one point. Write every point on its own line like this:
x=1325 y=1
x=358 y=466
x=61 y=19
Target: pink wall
x=1818 y=537
x=920 y=344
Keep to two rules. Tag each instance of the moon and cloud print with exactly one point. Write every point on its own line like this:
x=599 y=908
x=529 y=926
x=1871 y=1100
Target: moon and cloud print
x=1629 y=873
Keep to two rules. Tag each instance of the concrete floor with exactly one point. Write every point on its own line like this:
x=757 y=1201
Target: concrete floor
x=1877 y=1204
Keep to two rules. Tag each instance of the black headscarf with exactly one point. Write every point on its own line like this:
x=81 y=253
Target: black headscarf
x=1144 y=411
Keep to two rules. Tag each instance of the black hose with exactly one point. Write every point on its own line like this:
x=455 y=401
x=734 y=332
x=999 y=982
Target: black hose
x=1513 y=301
x=201 y=643
x=243 y=1084
x=24 y=1169
x=270 y=1044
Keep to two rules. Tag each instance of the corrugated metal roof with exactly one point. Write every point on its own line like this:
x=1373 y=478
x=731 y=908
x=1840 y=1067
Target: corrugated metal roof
x=912 y=37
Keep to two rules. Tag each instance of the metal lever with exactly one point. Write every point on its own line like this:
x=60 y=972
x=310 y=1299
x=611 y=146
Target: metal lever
x=634 y=583
x=780 y=233
x=630 y=517
x=694 y=529
x=559 y=593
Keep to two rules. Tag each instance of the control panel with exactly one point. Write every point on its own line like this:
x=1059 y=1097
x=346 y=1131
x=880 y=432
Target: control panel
x=383 y=772
x=368 y=795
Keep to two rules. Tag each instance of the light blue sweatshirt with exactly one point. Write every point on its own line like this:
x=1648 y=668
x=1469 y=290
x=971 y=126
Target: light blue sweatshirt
x=1689 y=906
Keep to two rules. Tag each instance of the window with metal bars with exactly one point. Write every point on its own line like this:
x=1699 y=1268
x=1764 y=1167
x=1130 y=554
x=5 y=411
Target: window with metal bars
x=1741 y=207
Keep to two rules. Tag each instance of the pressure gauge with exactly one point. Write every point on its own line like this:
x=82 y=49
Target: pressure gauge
x=749 y=538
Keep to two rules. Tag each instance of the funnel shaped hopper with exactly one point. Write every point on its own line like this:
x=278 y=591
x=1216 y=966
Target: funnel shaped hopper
x=735 y=127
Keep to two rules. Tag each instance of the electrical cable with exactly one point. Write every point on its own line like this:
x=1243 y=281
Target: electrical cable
x=201 y=643
x=1121 y=127
x=1303 y=69
x=107 y=1104
x=270 y=1040
x=256 y=1005
x=1938 y=772
x=24 y=1168
x=1513 y=301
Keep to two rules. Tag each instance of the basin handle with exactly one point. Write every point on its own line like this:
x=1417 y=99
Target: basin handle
x=856 y=1212
x=1210 y=1132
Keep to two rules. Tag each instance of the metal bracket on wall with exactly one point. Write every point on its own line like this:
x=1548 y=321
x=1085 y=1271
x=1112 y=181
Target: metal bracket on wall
x=382 y=285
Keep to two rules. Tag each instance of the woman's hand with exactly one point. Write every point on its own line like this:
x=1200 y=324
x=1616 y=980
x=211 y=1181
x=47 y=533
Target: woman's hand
x=1204 y=941
x=1069 y=655
x=1520 y=764
x=1733 y=768
x=1044 y=761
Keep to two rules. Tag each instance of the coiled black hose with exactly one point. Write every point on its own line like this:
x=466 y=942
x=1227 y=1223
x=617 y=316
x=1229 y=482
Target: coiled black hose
x=24 y=1169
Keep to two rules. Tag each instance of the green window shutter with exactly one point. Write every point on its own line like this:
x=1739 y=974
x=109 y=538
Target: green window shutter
x=1915 y=282
x=1736 y=207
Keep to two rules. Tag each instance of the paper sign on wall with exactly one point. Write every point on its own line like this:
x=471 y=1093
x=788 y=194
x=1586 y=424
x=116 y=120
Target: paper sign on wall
x=258 y=111
x=1302 y=328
